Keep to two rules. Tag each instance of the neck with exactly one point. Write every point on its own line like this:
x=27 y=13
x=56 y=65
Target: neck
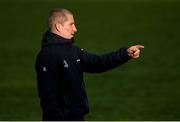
x=59 y=34
x=55 y=32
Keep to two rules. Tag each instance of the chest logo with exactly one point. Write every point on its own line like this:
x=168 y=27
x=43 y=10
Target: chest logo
x=66 y=65
x=78 y=60
x=44 y=69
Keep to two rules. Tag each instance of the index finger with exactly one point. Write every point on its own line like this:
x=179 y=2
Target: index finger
x=139 y=46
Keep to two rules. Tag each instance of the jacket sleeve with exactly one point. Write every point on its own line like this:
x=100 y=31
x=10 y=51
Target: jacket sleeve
x=94 y=63
x=46 y=69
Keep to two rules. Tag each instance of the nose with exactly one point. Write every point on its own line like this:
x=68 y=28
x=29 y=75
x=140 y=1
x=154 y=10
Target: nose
x=74 y=28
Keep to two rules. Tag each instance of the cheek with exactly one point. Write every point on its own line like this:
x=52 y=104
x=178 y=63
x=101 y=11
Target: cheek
x=67 y=29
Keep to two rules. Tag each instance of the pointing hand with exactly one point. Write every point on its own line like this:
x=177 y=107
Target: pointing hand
x=134 y=51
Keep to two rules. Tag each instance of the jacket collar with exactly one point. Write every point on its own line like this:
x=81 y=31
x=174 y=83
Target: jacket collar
x=50 y=38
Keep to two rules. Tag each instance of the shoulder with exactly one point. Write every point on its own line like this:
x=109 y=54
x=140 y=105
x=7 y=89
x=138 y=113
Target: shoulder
x=52 y=49
x=51 y=53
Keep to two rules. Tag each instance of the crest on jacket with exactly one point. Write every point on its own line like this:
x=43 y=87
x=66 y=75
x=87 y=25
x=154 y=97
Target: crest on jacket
x=65 y=64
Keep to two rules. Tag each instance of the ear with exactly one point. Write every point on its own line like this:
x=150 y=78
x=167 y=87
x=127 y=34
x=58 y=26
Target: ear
x=58 y=27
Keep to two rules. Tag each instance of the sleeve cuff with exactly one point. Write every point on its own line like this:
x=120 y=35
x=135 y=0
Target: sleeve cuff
x=124 y=54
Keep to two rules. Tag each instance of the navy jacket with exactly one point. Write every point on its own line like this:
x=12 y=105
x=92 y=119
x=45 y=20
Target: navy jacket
x=59 y=67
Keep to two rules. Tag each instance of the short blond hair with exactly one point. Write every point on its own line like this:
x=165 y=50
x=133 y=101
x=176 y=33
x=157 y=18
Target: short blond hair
x=57 y=15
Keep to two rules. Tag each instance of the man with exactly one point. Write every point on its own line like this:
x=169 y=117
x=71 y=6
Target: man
x=60 y=66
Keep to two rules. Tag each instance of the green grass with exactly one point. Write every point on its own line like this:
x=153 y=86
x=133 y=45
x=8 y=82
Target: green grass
x=143 y=89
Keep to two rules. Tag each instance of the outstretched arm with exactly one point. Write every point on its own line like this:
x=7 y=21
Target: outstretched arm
x=94 y=63
x=99 y=63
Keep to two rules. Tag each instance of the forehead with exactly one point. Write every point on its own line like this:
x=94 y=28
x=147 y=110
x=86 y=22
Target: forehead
x=70 y=17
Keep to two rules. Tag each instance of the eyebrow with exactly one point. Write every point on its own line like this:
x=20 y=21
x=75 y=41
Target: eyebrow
x=72 y=23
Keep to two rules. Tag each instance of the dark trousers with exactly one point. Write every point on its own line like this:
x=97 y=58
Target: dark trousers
x=64 y=118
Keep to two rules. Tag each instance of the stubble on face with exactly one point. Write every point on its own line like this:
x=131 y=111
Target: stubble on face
x=68 y=27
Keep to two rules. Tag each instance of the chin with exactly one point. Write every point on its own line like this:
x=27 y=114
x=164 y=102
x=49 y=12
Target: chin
x=71 y=37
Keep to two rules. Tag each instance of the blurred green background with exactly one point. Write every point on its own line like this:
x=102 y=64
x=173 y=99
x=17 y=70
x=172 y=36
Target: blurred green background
x=143 y=89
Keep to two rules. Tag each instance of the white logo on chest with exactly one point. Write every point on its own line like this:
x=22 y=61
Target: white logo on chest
x=44 y=69
x=66 y=65
x=78 y=60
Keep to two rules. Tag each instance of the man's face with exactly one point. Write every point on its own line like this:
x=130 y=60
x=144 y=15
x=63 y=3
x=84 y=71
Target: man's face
x=68 y=28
